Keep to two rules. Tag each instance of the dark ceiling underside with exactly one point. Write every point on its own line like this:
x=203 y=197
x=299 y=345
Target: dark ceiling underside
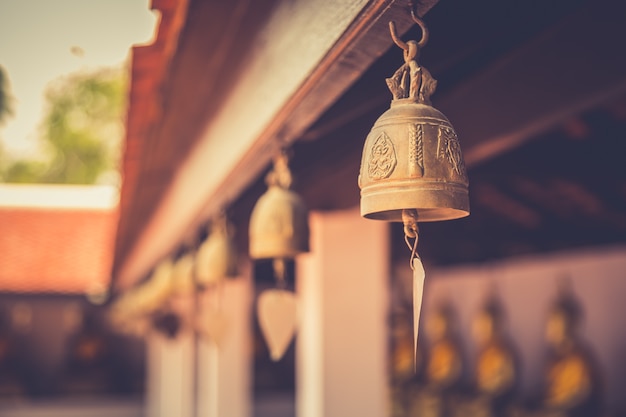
x=565 y=189
x=562 y=188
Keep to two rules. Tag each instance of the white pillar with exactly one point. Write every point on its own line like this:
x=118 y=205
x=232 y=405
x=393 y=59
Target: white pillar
x=170 y=375
x=343 y=290
x=224 y=371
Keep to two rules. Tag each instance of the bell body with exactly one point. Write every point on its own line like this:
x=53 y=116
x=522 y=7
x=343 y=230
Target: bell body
x=412 y=160
x=216 y=259
x=279 y=225
x=182 y=275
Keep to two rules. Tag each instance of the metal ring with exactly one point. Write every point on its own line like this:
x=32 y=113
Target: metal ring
x=413 y=249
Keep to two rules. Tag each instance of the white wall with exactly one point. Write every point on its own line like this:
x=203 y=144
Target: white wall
x=170 y=375
x=224 y=370
x=341 y=345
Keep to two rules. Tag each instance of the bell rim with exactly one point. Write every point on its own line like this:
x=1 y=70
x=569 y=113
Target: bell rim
x=433 y=200
x=425 y=215
x=277 y=251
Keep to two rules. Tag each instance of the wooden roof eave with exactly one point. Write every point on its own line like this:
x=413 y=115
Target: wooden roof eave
x=302 y=60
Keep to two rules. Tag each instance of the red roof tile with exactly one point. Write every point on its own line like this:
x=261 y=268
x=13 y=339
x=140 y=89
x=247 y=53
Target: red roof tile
x=60 y=250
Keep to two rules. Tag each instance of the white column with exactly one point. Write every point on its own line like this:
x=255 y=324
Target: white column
x=343 y=290
x=170 y=375
x=224 y=370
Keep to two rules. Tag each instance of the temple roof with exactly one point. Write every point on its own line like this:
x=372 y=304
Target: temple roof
x=56 y=239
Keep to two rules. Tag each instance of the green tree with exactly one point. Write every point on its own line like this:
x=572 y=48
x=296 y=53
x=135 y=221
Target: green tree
x=6 y=111
x=84 y=126
x=81 y=131
x=6 y=99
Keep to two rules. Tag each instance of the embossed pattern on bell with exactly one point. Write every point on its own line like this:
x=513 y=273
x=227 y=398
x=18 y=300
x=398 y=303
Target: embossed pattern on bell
x=382 y=159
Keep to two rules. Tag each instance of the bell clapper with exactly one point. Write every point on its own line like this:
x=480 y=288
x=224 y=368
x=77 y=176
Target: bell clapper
x=411 y=231
x=279 y=266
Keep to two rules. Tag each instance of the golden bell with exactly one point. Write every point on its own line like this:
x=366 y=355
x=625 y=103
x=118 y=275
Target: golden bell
x=412 y=157
x=183 y=275
x=279 y=222
x=216 y=258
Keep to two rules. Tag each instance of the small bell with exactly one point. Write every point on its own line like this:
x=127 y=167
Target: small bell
x=183 y=275
x=279 y=222
x=216 y=258
x=154 y=293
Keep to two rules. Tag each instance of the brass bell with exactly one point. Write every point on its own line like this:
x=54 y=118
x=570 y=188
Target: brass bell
x=279 y=226
x=216 y=258
x=412 y=157
x=183 y=275
x=412 y=168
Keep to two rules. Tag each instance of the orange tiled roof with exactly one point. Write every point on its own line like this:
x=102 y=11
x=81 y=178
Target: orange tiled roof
x=51 y=248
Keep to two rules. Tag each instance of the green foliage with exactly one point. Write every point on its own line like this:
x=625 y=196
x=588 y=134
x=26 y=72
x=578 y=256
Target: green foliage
x=24 y=172
x=6 y=100
x=82 y=131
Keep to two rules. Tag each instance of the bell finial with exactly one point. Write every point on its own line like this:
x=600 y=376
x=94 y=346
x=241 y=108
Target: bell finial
x=281 y=175
x=411 y=81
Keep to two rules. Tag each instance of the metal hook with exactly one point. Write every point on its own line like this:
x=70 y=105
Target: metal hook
x=422 y=26
x=280 y=174
x=394 y=36
x=410 y=47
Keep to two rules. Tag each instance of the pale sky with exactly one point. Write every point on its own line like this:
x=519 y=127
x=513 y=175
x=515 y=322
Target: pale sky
x=36 y=40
